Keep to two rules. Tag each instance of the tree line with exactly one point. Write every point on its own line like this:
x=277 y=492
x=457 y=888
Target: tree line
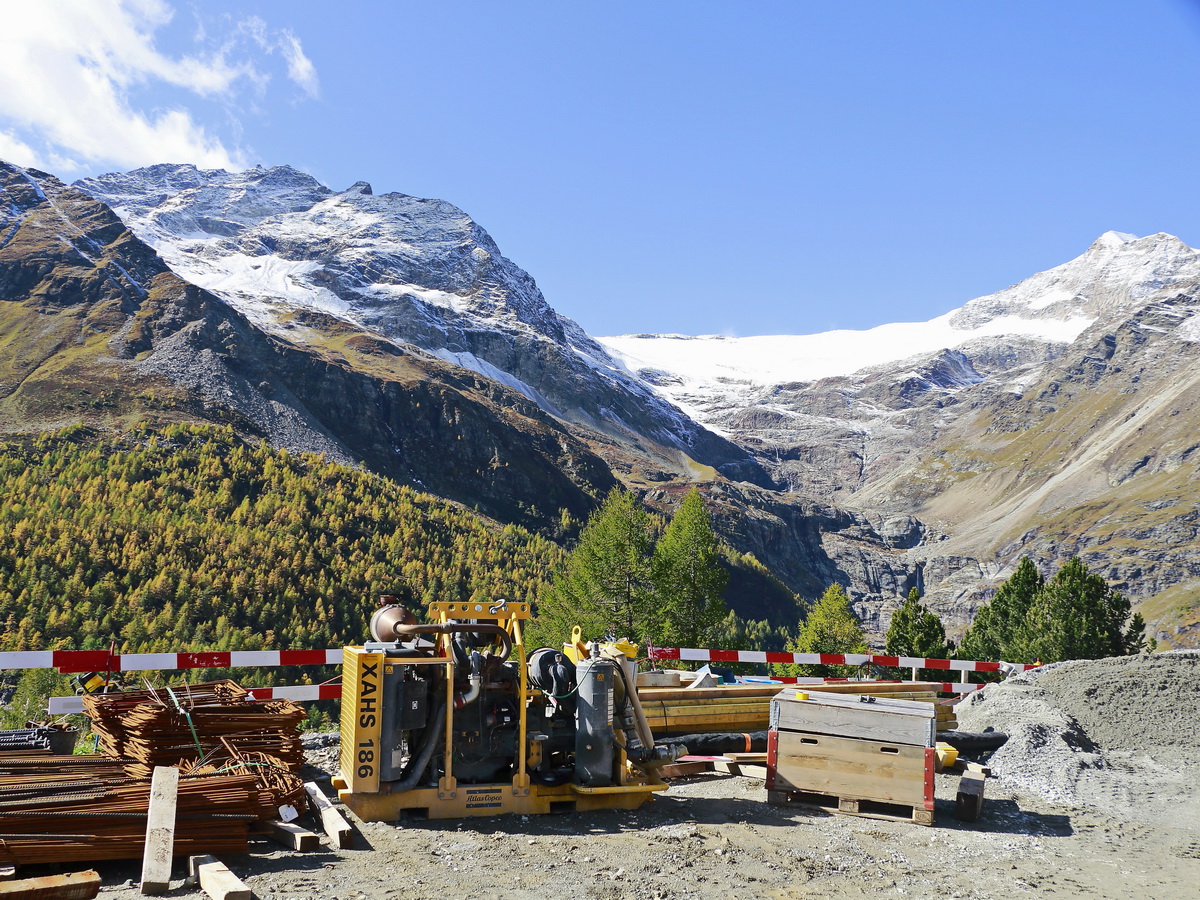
x=662 y=581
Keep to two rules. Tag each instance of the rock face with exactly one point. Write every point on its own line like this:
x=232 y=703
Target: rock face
x=274 y=243
x=97 y=328
x=1050 y=420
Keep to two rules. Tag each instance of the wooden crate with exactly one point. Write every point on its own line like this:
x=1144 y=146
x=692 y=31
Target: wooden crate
x=851 y=769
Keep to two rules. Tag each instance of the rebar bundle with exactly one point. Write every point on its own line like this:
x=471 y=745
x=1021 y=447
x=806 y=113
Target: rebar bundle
x=198 y=722
x=36 y=740
x=86 y=808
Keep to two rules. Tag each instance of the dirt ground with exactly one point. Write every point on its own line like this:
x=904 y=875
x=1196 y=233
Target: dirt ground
x=1102 y=822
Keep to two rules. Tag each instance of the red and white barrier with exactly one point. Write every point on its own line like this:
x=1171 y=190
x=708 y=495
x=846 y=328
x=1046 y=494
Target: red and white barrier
x=301 y=693
x=691 y=654
x=944 y=687
x=72 y=661
x=75 y=661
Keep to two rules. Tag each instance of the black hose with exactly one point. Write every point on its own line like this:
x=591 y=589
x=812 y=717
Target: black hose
x=716 y=744
x=416 y=768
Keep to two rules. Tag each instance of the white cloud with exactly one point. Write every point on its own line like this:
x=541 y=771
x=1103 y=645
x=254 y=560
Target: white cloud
x=69 y=70
x=300 y=67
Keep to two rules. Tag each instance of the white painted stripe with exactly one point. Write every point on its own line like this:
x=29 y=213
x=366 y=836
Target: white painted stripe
x=27 y=659
x=752 y=656
x=254 y=658
x=333 y=657
x=140 y=662
x=962 y=665
x=300 y=692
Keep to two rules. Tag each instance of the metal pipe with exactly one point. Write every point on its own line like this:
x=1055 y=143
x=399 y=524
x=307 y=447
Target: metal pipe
x=402 y=631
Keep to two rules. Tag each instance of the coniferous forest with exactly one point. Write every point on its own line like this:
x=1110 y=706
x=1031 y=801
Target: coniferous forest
x=187 y=538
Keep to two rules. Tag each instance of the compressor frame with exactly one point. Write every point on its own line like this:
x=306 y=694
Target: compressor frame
x=359 y=785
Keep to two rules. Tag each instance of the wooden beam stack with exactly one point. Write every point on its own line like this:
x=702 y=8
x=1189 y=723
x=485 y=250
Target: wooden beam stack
x=747 y=707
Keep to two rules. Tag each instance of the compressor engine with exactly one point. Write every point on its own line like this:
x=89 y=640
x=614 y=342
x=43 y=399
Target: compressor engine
x=438 y=717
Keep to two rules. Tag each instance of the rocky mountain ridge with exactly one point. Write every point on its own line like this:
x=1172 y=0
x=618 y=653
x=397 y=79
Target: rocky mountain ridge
x=1051 y=421
x=160 y=349
x=390 y=332
x=96 y=328
x=275 y=242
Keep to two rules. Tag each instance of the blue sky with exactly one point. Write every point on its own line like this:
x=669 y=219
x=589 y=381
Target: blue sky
x=698 y=167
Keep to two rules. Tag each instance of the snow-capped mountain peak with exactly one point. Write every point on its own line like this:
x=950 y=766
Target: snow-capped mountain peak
x=707 y=373
x=414 y=271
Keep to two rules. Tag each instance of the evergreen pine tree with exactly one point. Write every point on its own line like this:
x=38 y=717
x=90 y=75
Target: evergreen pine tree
x=992 y=633
x=688 y=578
x=829 y=627
x=1076 y=615
x=605 y=585
x=916 y=631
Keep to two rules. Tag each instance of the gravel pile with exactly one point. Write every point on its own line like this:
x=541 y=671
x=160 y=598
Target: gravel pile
x=1112 y=734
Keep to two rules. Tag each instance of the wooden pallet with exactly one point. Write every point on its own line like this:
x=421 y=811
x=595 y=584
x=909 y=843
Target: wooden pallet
x=852 y=806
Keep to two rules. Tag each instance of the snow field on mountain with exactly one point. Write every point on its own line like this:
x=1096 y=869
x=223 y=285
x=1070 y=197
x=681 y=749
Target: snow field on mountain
x=780 y=359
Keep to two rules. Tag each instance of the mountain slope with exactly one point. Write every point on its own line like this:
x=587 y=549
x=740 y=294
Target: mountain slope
x=96 y=328
x=275 y=243
x=312 y=380
x=1052 y=418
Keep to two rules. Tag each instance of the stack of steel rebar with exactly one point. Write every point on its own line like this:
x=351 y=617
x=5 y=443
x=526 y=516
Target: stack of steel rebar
x=78 y=808
x=37 y=740
x=208 y=722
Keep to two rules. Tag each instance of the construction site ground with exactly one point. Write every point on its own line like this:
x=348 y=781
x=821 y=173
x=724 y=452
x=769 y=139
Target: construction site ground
x=1095 y=795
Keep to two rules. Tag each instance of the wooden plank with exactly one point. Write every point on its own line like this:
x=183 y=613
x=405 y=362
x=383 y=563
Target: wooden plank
x=850 y=767
x=760 y=707
x=688 y=724
x=75 y=886
x=160 y=831
x=891 y=704
x=733 y=767
x=879 y=688
x=216 y=880
x=729 y=691
x=289 y=835
x=339 y=833
x=961 y=765
x=968 y=803
x=880 y=721
x=683 y=769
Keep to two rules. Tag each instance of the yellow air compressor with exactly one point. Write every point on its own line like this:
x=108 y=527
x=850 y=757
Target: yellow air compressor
x=450 y=719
